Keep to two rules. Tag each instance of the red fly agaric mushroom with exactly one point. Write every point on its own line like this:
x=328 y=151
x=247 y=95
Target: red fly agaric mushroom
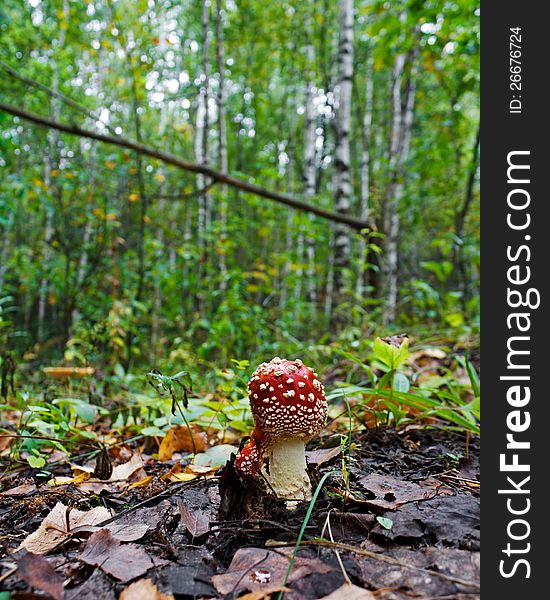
x=289 y=408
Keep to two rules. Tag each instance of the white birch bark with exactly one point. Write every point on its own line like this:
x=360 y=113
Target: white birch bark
x=399 y=149
x=201 y=132
x=343 y=188
x=309 y=169
x=365 y=176
x=222 y=141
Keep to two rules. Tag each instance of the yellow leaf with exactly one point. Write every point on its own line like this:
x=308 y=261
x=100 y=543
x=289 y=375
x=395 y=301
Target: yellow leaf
x=141 y=483
x=200 y=469
x=55 y=172
x=160 y=177
x=66 y=480
x=183 y=477
x=110 y=165
x=111 y=217
x=133 y=197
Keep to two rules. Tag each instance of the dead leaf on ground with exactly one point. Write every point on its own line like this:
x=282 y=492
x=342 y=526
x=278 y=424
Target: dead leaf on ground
x=38 y=573
x=196 y=521
x=53 y=529
x=257 y=569
x=390 y=493
x=21 y=490
x=144 y=589
x=348 y=591
x=135 y=525
x=5 y=442
x=318 y=457
x=141 y=483
x=460 y=564
x=123 y=562
x=61 y=480
x=125 y=470
x=178 y=439
x=264 y=594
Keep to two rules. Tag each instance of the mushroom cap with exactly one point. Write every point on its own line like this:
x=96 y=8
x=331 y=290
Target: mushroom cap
x=287 y=401
x=247 y=461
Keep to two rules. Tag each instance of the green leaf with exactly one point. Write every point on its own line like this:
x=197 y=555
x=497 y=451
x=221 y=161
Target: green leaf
x=401 y=383
x=389 y=354
x=36 y=461
x=385 y=522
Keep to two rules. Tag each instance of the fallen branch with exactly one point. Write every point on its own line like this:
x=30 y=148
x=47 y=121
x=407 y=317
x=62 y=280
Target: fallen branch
x=170 y=159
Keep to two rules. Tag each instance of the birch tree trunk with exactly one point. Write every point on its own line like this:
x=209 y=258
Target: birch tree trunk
x=290 y=152
x=343 y=188
x=365 y=177
x=399 y=151
x=222 y=142
x=201 y=143
x=309 y=165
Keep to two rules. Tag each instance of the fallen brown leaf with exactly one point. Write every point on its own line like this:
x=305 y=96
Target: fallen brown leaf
x=264 y=594
x=144 y=589
x=178 y=439
x=318 y=457
x=196 y=521
x=53 y=529
x=348 y=591
x=257 y=569
x=5 y=442
x=125 y=470
x=21 y=490
x=173 y=471
x=38 y=573
x=390 y=493
x=123 y=562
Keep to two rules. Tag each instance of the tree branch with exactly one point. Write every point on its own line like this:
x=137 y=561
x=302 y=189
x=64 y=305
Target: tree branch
x=170 y=159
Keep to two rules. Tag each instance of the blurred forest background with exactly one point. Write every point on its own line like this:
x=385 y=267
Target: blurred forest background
x=368 y=110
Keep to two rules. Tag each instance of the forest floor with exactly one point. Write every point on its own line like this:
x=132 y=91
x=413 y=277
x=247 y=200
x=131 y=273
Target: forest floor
x=405 y=525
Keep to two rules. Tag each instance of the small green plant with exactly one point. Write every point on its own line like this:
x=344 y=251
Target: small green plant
x=170 y=383
x=394 y=396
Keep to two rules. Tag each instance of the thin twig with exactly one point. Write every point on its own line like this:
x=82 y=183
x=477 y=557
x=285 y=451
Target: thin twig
x=375 y=556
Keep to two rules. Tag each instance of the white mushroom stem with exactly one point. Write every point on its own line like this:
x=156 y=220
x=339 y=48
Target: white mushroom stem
x=287 y=470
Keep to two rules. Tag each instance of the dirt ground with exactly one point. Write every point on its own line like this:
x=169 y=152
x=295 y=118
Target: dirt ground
x=405 y=525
